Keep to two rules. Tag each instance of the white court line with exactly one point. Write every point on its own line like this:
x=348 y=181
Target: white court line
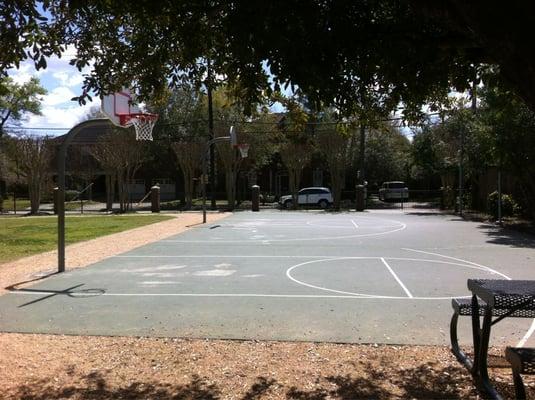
x=220 y=256
x=354 y=224
x=401 y=226
x=461 y=260
x=289 y=296
x=530 y=331
x=396 y=278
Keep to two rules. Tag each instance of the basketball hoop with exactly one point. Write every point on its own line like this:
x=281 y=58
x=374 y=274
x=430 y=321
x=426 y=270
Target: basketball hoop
x=244 y=149
x=143 y=124
x=122 y=110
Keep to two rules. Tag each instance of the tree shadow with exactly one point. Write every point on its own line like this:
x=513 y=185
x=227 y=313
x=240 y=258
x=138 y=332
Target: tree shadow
x=425 y=381
x=95 y=387
x=422 y=382
x=507 y=236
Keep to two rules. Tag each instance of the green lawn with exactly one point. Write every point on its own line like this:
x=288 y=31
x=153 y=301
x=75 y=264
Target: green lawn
x=24 y=236
x=22 y=204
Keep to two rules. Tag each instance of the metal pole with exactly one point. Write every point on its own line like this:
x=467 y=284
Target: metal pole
x=362 y=153
x=209 y=147
x=104 y=124
x=203 y=178
x=499 y=195
x=61 y=203
x=211 y=133
x=461 y=156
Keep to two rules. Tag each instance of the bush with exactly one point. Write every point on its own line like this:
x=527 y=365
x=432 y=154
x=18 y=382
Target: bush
x=509 y=206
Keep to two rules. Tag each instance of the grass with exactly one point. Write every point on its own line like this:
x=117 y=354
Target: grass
x=22 y=204
x=75 y=205
x=21 y=237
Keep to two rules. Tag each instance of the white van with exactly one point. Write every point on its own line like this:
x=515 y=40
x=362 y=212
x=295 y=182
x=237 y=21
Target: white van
x=394 y=190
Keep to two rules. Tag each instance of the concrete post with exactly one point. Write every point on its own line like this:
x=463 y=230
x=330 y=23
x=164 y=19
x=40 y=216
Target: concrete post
x=255 y=204
x=360 y=199
x=155 y=199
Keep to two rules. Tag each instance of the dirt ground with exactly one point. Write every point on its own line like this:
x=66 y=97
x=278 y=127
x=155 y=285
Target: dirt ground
x=81 y=367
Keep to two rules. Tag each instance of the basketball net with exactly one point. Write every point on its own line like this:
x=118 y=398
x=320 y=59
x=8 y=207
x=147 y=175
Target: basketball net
x=143 y=124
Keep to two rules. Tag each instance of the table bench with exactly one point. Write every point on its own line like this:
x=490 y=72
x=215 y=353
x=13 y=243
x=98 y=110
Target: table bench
x=500 y=299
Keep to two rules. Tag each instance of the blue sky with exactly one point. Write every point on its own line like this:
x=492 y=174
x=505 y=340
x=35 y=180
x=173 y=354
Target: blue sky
x=62 y=82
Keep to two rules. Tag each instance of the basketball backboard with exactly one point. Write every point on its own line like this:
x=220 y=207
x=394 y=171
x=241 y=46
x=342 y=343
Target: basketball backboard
x=119 y=106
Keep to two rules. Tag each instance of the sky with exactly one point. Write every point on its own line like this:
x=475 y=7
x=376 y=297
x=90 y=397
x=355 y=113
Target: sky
x=62 y=82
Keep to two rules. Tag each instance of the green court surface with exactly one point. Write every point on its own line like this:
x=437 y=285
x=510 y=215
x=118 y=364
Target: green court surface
x=373 y=277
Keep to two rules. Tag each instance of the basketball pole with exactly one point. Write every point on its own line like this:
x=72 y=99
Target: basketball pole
x=206 y=153
x=62 y=153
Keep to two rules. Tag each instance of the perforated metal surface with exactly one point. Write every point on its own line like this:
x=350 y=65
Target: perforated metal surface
x=505 y=294
x=464 y=308
x=522 y=358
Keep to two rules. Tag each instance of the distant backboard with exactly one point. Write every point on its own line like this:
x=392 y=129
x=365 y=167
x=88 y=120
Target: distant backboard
x=119 y=106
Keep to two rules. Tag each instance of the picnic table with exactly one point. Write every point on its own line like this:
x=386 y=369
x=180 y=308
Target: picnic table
x=502 y=299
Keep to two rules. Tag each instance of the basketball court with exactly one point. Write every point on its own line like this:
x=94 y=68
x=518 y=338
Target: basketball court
x=373 y=277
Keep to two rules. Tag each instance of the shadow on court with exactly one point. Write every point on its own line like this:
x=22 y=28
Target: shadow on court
x=508 y=237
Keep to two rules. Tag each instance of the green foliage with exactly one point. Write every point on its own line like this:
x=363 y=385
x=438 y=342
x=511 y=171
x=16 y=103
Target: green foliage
x=509 y=206
x=15 y=100
x=360 y=56
x=387 y=155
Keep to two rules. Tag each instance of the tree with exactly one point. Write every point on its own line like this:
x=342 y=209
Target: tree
x=121 y=155
x=17 y=100
x=31 y=158
x=388 y=154
x=410 y=51
x=335 y=144
x=295 y=157
x=189 y=152
x=182 y=121
x=507 y=132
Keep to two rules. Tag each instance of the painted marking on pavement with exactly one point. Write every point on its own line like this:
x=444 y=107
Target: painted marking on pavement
x=397 y=278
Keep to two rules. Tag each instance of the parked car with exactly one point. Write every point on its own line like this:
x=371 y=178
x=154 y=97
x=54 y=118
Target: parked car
x=394 y=190
x=319 y=196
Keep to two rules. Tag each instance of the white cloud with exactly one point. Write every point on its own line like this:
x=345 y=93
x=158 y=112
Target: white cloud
x=24 y=73
x=59 y=117
x=67 y=78
x=57 y=96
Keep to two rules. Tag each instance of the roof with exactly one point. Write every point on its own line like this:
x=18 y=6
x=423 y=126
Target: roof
x=89 y=134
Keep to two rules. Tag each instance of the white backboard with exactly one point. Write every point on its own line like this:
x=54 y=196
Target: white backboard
x=118 y=105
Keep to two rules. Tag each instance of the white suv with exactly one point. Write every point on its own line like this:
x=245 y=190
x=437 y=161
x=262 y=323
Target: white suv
x=395 y=190
x=319 y=196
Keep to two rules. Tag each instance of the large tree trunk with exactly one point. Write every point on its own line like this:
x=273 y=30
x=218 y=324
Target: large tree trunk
x=121 y=191
x=337 y=182
x=294 y=180
x=110 y=191
x=230 y=186
x=34 y=188
x=188 y=186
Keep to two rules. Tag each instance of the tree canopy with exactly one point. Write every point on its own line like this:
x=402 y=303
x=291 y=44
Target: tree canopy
x=342 y=53
x=16 y=100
